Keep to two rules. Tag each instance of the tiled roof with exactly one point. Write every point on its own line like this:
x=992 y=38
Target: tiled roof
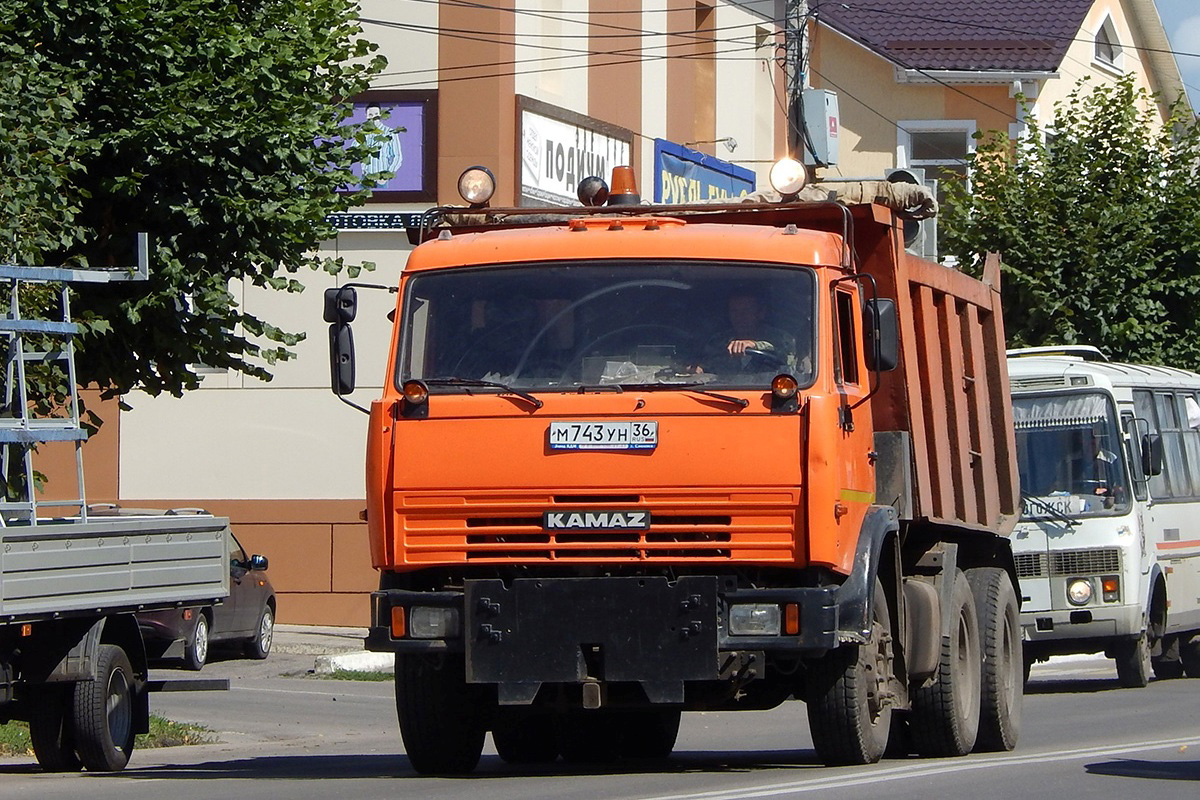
x=1004 y=35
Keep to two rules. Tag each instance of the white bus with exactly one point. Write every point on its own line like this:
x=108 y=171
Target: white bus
x=1108 y=546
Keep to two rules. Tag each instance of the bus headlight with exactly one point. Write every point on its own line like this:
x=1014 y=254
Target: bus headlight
x=754 y=619
x=1079 y=592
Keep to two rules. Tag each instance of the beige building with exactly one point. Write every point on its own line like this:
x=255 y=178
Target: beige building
x=544 y=92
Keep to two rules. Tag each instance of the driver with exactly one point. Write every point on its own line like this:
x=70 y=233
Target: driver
x=747 y=337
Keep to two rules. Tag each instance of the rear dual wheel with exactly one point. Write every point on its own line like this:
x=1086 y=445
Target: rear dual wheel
x=104 y=711
x=1002 y=670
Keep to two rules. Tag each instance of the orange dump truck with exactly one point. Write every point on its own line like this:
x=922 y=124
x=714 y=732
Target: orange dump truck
x=631 y=461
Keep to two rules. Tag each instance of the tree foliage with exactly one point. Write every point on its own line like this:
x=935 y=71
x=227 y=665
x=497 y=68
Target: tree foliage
x=1096 y=219
x=218 y=126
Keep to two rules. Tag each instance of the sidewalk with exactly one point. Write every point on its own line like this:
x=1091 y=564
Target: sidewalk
x=332 y=648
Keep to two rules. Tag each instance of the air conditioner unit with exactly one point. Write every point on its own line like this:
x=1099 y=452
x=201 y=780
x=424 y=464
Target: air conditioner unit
x=920 y=236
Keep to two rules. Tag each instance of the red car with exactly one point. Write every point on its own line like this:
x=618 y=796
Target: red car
x=247 y=617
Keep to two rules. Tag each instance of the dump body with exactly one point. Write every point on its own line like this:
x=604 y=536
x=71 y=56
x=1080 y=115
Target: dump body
x=578 y=501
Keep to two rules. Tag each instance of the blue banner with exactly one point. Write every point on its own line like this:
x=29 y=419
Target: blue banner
x=683 y=175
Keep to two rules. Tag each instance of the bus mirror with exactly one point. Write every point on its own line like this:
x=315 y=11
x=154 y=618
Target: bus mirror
x=1152 y=454
x=881 y=334
x=341 y=304
x=341 y=359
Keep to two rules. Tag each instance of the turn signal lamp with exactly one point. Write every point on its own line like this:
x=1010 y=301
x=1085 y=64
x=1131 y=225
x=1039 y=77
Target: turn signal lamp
x=416 y=393
x=398 y=628
x=791 y=619
x=788 y=176
x=476 y=185
x=1111 y=586
x=624 y=190
x=784 y=386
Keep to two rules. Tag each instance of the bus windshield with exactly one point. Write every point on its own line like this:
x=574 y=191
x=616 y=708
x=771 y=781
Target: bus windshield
x=1070 y=455
x=629 y=323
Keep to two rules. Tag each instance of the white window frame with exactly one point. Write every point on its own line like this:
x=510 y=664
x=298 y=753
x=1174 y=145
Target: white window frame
x=1117 y=65
x=906 y=128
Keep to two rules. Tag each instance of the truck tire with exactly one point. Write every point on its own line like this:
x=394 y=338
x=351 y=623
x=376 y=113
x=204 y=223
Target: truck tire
x=441 y=716
x=848 y=698
x=1168 y=665
x=1002 y=670
x=260 y=646
x=1189 y=655
x=649 y=733
x=103 y=712
x=945 y=708
x=50 y=730
x=589 y=736
x=1133 y=661
x=522 y=738
x=195 y=654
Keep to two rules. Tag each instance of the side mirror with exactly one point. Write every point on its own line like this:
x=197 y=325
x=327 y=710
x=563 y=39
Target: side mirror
x=881 y=335
x=341 y=359
x=257 y=562
x=341 y=304
x=1152 y=454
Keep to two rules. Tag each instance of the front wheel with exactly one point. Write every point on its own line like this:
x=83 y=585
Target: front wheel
x=1133 y=662
x=1169 y=664
x=441 y=716
x=103 y=712
x=945 y=708
x=848 y=696
x=260 y=646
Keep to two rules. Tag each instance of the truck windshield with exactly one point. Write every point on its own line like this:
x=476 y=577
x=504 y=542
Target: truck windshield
x=552 y=326
x=1070 y=456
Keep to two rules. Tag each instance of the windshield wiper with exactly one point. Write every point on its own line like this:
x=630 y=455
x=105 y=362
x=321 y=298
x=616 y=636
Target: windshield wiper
x=689 y=385
x=1049 y=509
x=467 y=382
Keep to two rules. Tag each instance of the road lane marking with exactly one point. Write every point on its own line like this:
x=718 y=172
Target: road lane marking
x=881 y=775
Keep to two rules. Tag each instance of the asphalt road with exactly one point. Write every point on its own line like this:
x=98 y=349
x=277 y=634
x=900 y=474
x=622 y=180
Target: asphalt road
x=297 y=736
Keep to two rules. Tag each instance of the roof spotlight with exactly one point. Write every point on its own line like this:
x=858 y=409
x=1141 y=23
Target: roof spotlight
x=788 y=176
x=592 y=191
x=476 y=185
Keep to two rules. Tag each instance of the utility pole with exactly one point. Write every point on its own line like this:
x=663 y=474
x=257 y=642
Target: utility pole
x=796 y=49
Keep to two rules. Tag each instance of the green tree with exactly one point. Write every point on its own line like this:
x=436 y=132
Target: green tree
x=1097 y=224
x=218 y=126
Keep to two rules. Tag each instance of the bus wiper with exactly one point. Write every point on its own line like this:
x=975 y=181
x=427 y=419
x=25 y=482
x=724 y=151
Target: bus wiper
x=693 y=386
x=1049 y=509
x=526 y=396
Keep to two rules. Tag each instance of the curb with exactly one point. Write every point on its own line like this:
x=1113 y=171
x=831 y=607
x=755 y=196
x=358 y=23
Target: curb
x=355 y=662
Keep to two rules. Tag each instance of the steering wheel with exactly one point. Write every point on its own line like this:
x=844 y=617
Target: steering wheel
x=679 y=333
x=769 y=357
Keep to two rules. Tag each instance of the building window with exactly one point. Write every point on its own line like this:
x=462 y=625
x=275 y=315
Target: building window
x=1108 y=46
x=939 y=147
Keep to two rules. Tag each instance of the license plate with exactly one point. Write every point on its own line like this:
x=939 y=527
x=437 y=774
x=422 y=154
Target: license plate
x=603 y=435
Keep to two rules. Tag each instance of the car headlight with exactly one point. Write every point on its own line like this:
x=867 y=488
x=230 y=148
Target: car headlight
x=1079 y=591
x=754 y=619
x=426 y=622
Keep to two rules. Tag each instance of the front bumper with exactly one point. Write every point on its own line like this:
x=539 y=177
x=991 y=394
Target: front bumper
x=637 y=629
x=1091 y=622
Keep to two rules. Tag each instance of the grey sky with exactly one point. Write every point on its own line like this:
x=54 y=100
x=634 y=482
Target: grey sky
x=1181 y=19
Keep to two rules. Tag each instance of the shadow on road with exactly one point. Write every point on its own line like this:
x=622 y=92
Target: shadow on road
x=357 y=767
x=1072 y=686
x=1157 y=770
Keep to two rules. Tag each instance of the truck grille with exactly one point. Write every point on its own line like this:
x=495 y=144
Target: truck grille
x=1030 y=565
x=1085 y=562
x=758 y=528
x=1068 y=563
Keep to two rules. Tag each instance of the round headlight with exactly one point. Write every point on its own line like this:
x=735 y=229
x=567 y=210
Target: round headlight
x=788 y=176
x=477 y=185
x=1079 y=591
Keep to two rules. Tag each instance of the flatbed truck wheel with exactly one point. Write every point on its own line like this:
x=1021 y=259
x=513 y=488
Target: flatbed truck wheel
x=1003 y=668
x=103 y=712
x=945 y=708
x=848 y=698
x=50 y=730
x=441 y=716
x=523 y=738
